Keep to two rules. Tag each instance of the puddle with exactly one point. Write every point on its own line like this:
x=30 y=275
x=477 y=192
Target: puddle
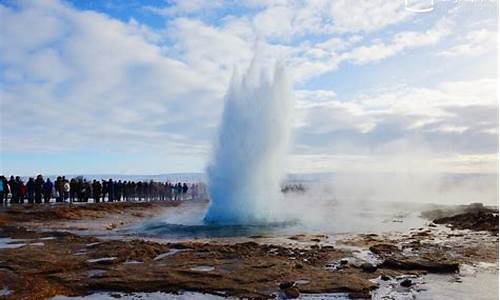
x=101 y=259
x=202 y=268
x=335 y=296
x=169 y=253
x=5 y=292
x=36 y=244
x=483 y=285
x=149 y=296
x=8 y=243
x=392 y=289
x=132 y=262
x=95 y=273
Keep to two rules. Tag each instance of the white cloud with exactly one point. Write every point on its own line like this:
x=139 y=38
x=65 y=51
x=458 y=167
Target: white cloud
x=400 y=42
x=283 y=18
x=475 y=43
x=366 y=15
x=321 y=16
x=92 y=80
x=209 y=50
x=180 y=7
x=445 y=120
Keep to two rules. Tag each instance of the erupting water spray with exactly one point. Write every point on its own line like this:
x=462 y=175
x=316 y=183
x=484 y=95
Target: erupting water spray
x=245 y=174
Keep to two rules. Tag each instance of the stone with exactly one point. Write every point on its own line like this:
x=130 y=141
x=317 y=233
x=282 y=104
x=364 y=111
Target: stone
x=406 y=283
x=368 y=267
x=415 y=264
x=385 y=277
x=384 y=249
x=292 y=293
x=286 y=284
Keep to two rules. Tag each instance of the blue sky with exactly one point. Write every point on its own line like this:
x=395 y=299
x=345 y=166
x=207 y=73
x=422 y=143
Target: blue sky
x=137 y=87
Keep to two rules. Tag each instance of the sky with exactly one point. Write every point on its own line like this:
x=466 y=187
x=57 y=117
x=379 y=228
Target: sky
x=137 y=87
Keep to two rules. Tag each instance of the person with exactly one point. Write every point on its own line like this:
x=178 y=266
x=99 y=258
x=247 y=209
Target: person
x=5 y=187
x=104 y=185
x=30 y=190
x=140 y=190
x=66 y=188
x=111 y=190
x=80 y=189
x=87 y=190
x=118 y=191
x=1 y=189
x=178 y=191
x=193 y=190
x=168 y=191
x=38 y=188
x=96 y=190
x=72 y=190
x=13 y=190
x=47 y=190
x=184 y=190
x=59 y=186
x=22 y=189
x=149 y=190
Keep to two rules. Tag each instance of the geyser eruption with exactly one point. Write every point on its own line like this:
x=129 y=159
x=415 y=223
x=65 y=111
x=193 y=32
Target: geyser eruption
x=246 y=171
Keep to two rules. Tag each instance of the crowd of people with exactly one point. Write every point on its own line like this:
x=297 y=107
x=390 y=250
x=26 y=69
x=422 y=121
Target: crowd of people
x=79 y=189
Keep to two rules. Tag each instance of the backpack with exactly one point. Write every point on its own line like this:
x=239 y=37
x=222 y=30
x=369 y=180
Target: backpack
x=66 y=187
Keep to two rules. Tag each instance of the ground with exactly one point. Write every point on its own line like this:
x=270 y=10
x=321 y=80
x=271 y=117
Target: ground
x=55 y=250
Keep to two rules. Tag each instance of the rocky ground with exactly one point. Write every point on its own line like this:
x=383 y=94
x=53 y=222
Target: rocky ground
x=39 y=264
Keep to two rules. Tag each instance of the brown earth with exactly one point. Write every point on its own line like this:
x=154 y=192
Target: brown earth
x=62 y=263
x=51 y=213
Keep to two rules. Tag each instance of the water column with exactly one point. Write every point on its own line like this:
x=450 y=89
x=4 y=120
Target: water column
x=245 y=174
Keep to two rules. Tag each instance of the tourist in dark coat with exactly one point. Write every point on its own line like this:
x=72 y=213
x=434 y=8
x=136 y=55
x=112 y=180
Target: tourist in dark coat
x=30 y=190
x=59 y=186
x=111 y=190
x=38 y=189
x=13 y=190
x=72 y=190
x=96 y=190
x=47 y=190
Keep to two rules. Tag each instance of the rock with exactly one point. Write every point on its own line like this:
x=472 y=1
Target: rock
x=410 y=264
x=291 y=293
x=287 y=284
x=422 y=233
x=477 y=221
x=368 y=267
x=383 y=249
x=432 y=225
x=385 y=277
x=406 y=283
x=344 y=261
